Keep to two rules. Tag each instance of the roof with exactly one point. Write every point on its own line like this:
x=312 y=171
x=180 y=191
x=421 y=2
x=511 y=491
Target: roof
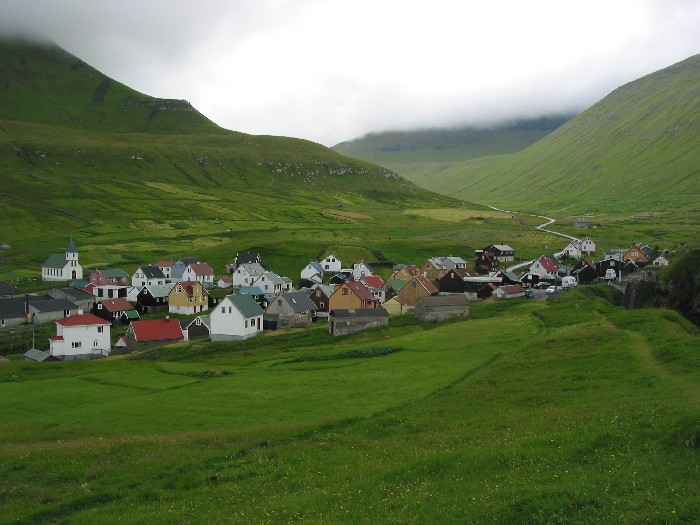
x=55 y=260
x=119 y=304
x=247 y=258
x=429 y=286
x=204 y=319
x=462 y=272
x=152 y=272
x=455 y=260
x=298 y=301
x=225 y=279
x=164 y=264
x=398 y=299
x=548 y=264
x=359 y=289
x=252 y=268
x=186 y=261
x=7 y=288
x=502 y=247
x=131 y=314
x=373 y=281
x=396 y=284
x=82 y=320
x=510 y=289
x=250 y=290
x=316 y=266
x=201 y=269
x=12 y=307
x=52 y=305
x=272 y=277
x=71 y=247
x=444 y=300
x=246 y=305
x=159 y=290
x=113 y=274
x=157 y=330
x=76 y=293
x=359 y=312
x=36 y=355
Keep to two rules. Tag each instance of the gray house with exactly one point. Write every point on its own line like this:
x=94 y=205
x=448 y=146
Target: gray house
x=82 y=299
x=290 y=310
x=349 y=321
x=441 y=307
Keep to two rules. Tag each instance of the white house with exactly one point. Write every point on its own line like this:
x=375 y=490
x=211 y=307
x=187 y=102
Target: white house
x=146 y=276
x=270 y=282
x=313 y=272
x=577 y=248
x=246 y=273
x=235 y=318
x=545 y=266
x=377 y=286
x=62 y=266
x=660 y=261
x=201 y=272
x=360 y=270
x=451 y=262
x=81 y=336
x=331 y=264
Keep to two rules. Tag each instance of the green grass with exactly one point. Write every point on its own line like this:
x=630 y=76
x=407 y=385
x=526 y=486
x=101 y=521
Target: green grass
x=565 y=411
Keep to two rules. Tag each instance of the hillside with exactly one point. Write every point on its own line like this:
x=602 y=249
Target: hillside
x=401 y=150
x=635 y=151
x=133 y=178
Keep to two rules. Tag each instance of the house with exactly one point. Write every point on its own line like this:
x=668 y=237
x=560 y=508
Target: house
x=6 y=289
x=14 y=310
x=62 y=266
x=585 y=271
x=547 y=266
x=377 y=286
x=47 y=309
x=80 y=336
x=481 y=286
x=166 y=267
x=256 y=293
x=155 y=332
x=320 y=294
x=636 y=254
x=609 y=264
x=154 y=297
x=485 y=262
x=290 y=310
x=331 y=264
x=660 y=261
x=199 y=272
x=109 y=283
x=404 y=272
x=188 y=297
x=436 y=308
x=235 y=318
x=146 y=275
x=396 y=305
x=112 y=309
x=453 y=280
x=179 y=267
x=581 y=222
x=452 y=262
x=351 y=295
x=129 y=316
x=500 y=252
x=224 y=282
x=343 y=321
x=434 y=268
x=394 y=285
x=360 y=270
x=270 y=282
x=246 y=273
x=577 y=248
x=80 y=298
x=312 y=273
x=417 y=286
x=244 y=258
x=509 y=291
x=196 y=328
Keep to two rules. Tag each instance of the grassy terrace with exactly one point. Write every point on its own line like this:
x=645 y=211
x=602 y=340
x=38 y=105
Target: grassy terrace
x=571 y=410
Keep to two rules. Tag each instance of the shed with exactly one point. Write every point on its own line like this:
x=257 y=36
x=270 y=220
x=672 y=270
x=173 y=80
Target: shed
x=441 y=307
x=349 y=321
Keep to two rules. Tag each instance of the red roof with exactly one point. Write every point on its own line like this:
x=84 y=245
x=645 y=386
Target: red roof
x=429 y=286
x=81 y=320
x=512 y=289
x=373 y=281
x=188 y=287
x=56 y=338
x=157 y=330
x=164 y=264
x=201 y=269
x=120 y=304
x=548 y=264
x=360 y=290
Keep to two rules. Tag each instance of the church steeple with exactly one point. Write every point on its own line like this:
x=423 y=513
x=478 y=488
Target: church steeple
x=71 y=252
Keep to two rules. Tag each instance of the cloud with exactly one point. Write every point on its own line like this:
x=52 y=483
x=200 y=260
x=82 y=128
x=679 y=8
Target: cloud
x=331 y=70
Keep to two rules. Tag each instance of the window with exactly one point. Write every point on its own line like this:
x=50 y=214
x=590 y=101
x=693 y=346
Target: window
x=345 y=291
x=94 y=344
x=100 y=329
x=76 y=344
x=322 y=304
x=246 y=323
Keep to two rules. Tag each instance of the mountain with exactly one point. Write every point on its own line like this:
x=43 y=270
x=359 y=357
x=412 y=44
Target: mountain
x=634 y=151
x=399 y=150
x=132 y=177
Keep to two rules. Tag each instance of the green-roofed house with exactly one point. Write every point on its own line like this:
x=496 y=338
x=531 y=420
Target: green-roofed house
x=235 y=318
x=62 y=266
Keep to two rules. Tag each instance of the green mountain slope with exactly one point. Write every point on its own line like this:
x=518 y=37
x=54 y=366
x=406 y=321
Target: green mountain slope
x=399 y=150
x=637 y=150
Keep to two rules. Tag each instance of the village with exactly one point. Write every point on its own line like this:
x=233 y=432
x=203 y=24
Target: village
x=90 y=315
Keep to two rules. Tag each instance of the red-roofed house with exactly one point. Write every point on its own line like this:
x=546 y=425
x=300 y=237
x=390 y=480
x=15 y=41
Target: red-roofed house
x=545 y=266
x=166 y=267
x=154 y=332
x=80 y=336
x=377 y=286
x=188 y=297
x=509 y=291
x=351 y=294
x=112 y=309
x=201 y=272
x=396 y=305
x=417 y=286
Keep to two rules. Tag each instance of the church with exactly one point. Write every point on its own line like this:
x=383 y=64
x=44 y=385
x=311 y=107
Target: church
x=62 y=266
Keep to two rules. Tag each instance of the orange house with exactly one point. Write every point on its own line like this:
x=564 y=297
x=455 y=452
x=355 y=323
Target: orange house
x=418 y=286
x=188 y=297
x=351 y=294
x=635 y=254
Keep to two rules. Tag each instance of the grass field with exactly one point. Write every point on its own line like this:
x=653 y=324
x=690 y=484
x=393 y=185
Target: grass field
x=571 y=410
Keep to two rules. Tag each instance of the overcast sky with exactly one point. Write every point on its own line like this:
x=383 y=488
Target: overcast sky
x=332 y=70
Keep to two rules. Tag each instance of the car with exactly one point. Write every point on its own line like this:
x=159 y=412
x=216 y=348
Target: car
x=529 y=294
x=551 y=290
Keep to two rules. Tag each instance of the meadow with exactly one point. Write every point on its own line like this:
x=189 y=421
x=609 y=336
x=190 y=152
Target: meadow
x=570 y=410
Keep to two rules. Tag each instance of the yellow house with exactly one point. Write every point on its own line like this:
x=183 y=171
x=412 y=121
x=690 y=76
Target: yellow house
x=351 y=294
x=188 y=297
x=396 y=305
x=418 y=286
